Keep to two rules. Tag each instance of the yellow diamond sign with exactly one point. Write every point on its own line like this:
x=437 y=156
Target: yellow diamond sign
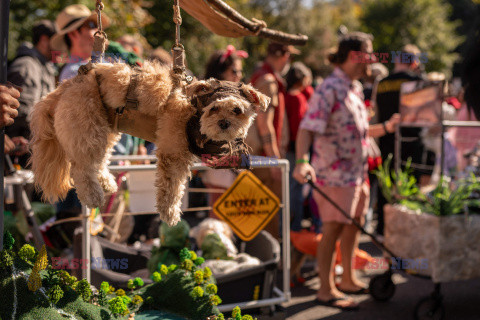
x=247 y=206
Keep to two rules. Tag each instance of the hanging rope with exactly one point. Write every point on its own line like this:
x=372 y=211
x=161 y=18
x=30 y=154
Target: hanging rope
x=178 y=51
x=99 y=44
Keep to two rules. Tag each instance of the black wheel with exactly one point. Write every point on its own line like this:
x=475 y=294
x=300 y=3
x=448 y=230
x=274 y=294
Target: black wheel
x=429 y=308
x=382 y=287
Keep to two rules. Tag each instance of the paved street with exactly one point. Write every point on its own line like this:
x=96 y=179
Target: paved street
x=461 y=299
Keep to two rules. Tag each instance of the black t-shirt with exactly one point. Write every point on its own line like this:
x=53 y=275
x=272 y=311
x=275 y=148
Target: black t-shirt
x=388 y=100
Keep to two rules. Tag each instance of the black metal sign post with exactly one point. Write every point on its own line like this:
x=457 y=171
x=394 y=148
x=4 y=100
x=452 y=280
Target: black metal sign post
x=4 y=16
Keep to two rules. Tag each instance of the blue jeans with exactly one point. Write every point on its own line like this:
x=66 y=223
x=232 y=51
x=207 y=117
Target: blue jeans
x=296 y=196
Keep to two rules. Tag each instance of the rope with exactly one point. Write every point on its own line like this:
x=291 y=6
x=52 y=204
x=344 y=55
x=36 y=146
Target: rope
x=99 y=44
x=260 y=25
x=178 y=51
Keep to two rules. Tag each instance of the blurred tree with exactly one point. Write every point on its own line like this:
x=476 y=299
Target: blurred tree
x=468 y=13
x=425 y=23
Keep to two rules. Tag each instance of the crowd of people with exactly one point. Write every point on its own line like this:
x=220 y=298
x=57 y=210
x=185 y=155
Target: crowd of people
x=326 y=128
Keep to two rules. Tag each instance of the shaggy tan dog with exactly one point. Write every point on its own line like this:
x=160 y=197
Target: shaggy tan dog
x=72 y=137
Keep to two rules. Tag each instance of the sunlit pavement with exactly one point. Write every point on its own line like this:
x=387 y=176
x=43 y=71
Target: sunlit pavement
x=461 y=299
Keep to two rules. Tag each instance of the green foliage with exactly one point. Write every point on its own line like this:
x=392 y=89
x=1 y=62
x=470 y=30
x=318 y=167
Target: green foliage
x=150 y=301
x=220 y=316
x=130 y=284
x=445 y=199
x=6 y=260
x=27 y=252
x=65 y=278
x=236 y=313
x=187 y=264
x=397 y=187
x=55 y=293
x=215 y=300
x=120 y=292
x=193 y=255
x=247 y=317
x=126 y=299
x=198 y=276
x=214 y=248
x=199 y=261
x=207 y=273
x=211 y=289
x=424 y=23
x=51 y=279
x=172 y=267
x=111 y=290
x=197 y=292
x=156 y=277
x=8 y=241
x=137 y=299
x=117 y=306
x=163 y=270
x=102 y=297
x=83 y=288
x=185 y=254
x=176 y=294
x=105 y=286
x=138 y=282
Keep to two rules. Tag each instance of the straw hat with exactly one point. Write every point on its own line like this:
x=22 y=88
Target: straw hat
x=70 y=19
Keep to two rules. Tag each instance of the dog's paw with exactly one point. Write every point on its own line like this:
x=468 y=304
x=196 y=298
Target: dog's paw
x=171 y=215
x=93 y=198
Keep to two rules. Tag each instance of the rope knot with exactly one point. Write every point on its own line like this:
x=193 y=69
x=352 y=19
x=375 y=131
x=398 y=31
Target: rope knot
x=260 y=24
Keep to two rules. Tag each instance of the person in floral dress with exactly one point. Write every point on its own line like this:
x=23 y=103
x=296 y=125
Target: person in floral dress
x=336 y=123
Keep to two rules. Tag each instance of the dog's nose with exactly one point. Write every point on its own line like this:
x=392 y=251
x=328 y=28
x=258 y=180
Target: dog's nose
x=223 y=124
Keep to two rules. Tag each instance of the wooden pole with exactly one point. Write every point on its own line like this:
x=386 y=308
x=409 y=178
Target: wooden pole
x=4 y=16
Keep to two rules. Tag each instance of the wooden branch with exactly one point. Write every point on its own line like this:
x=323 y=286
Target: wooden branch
x=259 y=28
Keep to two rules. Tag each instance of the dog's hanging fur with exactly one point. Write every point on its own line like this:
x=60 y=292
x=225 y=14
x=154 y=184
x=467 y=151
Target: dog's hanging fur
x=73 y=139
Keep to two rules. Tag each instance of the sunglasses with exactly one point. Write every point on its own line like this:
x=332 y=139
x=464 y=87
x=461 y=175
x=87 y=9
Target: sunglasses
x=237 y=72
x=90 y=25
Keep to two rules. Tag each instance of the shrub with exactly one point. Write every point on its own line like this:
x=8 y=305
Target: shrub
x=215 y=300
x=65 y=278
x=83 y=288
x=120 y=292
x=6 y=260
x=117 y=306
x=207 y=273
x=137 y=299
x=26 y=252
x=199 y=261
x=185 y=254
x=55 y=293
x=198 y=275
x=237 y=313
x=8 y=241
x=156 y=277
x=197 y=292
x=193 y=256
x=211 y=289
x=105 y=286
x=138 y=282
x=163 y=270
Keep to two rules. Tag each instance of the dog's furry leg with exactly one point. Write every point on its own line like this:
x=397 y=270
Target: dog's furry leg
x=173 y=171
x=106 y=179
x=49 y=161
x=82 y=128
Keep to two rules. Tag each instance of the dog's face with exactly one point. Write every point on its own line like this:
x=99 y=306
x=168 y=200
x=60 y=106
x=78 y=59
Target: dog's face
x=228 y=108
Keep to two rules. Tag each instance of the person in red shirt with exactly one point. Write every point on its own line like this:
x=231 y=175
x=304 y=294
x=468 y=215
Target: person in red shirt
x=269 y=136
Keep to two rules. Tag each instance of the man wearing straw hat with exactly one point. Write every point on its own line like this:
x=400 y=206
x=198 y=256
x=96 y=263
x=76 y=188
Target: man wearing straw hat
x=76 y=26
